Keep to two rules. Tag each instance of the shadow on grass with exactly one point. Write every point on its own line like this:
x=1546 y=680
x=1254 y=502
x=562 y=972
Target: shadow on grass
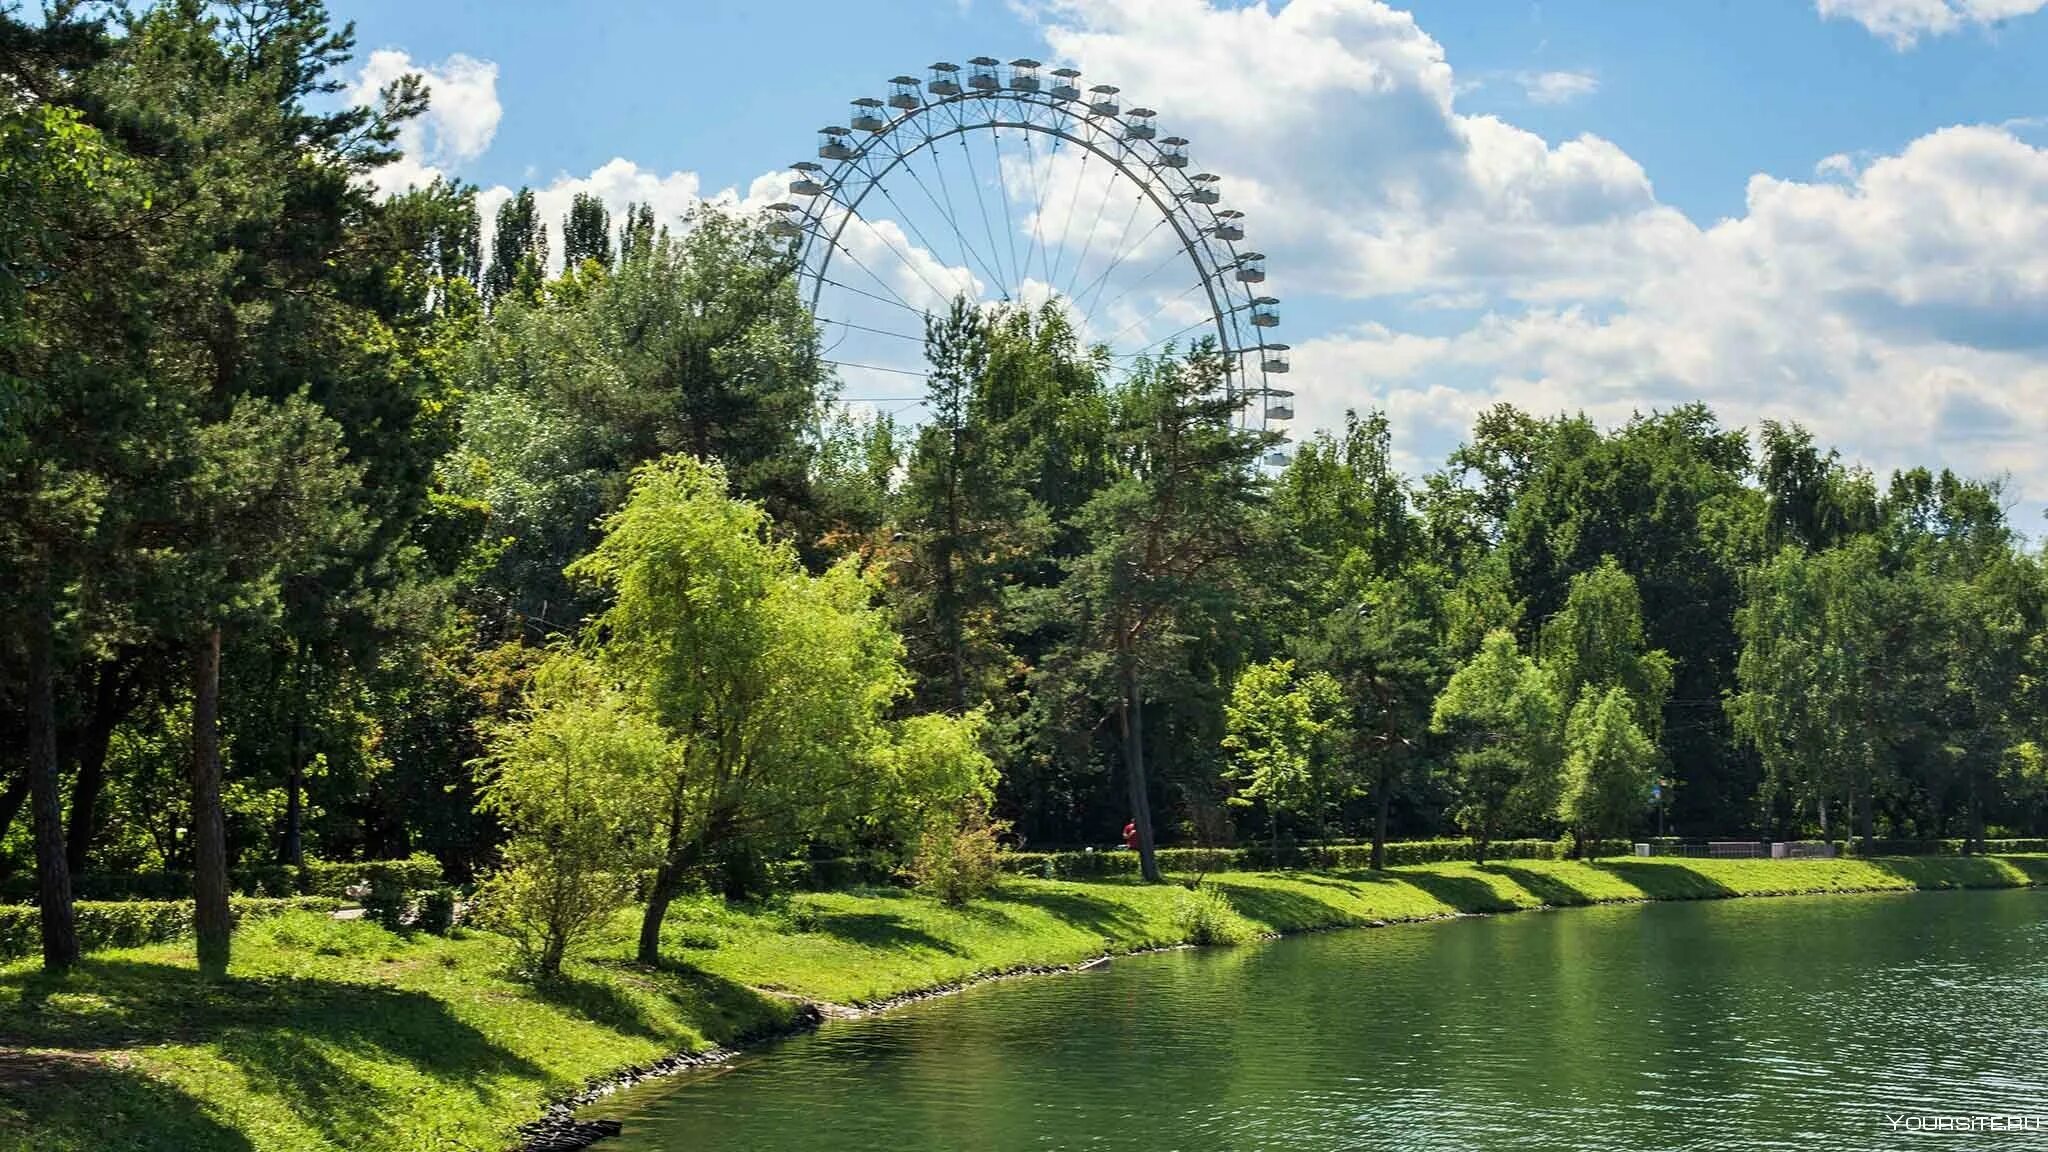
x=726 y=1011
x=602 y=1003
x=59 y=1102
x=1463 y=892
x=1672 y=880
x=1542 y=885
x=880 y=930
x=1079 y=909
x=1960 y=871
x=282 y=1035
x=1285 y=909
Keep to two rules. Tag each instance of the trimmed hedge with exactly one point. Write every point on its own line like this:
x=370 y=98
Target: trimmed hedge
x=1338 y=857
x=133 y=923
x=316 y=878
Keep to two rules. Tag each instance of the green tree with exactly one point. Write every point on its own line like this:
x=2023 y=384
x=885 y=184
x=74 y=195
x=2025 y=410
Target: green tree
x=519 y=251
x=774 y=686
x=1164 y=544
x=1609 y=766
x=567 y=778
x=1502 y=710
x=587 y=232
x=1284 y=736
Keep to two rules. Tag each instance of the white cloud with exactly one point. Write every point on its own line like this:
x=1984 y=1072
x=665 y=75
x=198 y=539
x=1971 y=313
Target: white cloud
x=461 y=118
x=1904 y=22
x=1557 y=87
x=1893 y=303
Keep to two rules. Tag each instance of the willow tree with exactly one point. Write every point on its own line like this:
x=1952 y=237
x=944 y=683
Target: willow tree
x=774 y=687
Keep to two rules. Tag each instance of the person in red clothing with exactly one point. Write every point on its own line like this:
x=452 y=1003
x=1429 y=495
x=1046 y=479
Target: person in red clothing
x=1131 y=835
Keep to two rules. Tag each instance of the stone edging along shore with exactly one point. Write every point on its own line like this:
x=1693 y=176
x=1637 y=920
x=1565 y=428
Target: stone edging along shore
x=558 y=1129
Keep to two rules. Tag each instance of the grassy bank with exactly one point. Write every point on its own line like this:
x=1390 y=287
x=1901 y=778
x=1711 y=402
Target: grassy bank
x=344 y=1036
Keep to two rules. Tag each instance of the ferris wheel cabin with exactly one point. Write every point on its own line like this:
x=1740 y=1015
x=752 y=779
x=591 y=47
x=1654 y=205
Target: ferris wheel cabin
x=1104 y=102
x=1251 y=268
x=1265 y=312
x=1066 y=84
x=834 y=143
x=1173 y=152
x=982 y=75
x=806 y=182
x=1204 y=190
x=1141 y=124
x=1273 y=360
x=1229 y=225
x=866 y=115
x=945 y=80
x=903 y=93
x=1024 y=75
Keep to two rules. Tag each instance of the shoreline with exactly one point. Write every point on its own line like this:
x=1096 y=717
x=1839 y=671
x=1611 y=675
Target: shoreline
x=561 y=1129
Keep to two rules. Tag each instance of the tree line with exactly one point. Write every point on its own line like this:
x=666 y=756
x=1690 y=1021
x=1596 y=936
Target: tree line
x=330 y=530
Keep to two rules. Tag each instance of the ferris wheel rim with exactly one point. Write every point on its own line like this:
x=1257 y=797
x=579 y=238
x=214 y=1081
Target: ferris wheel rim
x=916 y=125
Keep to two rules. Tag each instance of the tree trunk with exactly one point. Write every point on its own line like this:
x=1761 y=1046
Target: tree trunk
x=53 y=877
x=1134 y=755
x=1379 y=817
x=294 y=853
x=91 y=779
x=210 y=916
x=668 y=883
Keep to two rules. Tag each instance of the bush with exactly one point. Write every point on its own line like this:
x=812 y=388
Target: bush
x=133 y=923
x=547 y=906
x=959 y=858
x=315 y=878
x=1204 y=916
x=386 y=901
x=436 y=910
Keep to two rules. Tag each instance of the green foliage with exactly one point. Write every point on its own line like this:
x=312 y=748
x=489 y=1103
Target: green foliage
x=436 y=914
x=132 y=923
x=1205 y=916
x=1285 y=736
x=1503 y=710
x=1609 y=765
x=959 y=856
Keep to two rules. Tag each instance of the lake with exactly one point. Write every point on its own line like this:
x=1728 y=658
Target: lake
x=1759 y=1023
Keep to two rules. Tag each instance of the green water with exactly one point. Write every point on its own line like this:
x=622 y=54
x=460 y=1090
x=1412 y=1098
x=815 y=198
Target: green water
x=1793 y=1023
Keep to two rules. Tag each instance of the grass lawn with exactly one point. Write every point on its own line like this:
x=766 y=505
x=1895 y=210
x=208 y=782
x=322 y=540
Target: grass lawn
x=335 y=1035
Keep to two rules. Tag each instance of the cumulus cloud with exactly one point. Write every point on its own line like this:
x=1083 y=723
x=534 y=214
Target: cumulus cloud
x=1557 y=87
x=461 y=118
x=1904 y=22
x=1893 y=303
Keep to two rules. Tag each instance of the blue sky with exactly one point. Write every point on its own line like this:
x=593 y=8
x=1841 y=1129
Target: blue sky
x=1828 y=210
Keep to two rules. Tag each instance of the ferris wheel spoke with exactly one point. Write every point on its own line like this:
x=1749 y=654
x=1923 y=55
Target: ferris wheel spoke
x=843 y=250
x=1088 y=241
x=981 y=202
x=874 y=229
x=1123 y=250
x=932 y=151
x=969 y=255
x=1003 y=190
x=916 y=233
x=1172 y=256
x=1067 y=220
x=1139 y=324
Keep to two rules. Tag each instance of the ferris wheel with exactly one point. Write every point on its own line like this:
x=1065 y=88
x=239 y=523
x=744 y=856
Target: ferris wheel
x=997 y=183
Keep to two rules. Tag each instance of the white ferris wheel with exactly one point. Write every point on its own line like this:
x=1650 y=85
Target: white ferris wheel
x=1003 y=184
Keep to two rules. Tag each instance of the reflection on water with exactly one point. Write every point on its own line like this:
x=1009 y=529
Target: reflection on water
x=1792 y=1023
